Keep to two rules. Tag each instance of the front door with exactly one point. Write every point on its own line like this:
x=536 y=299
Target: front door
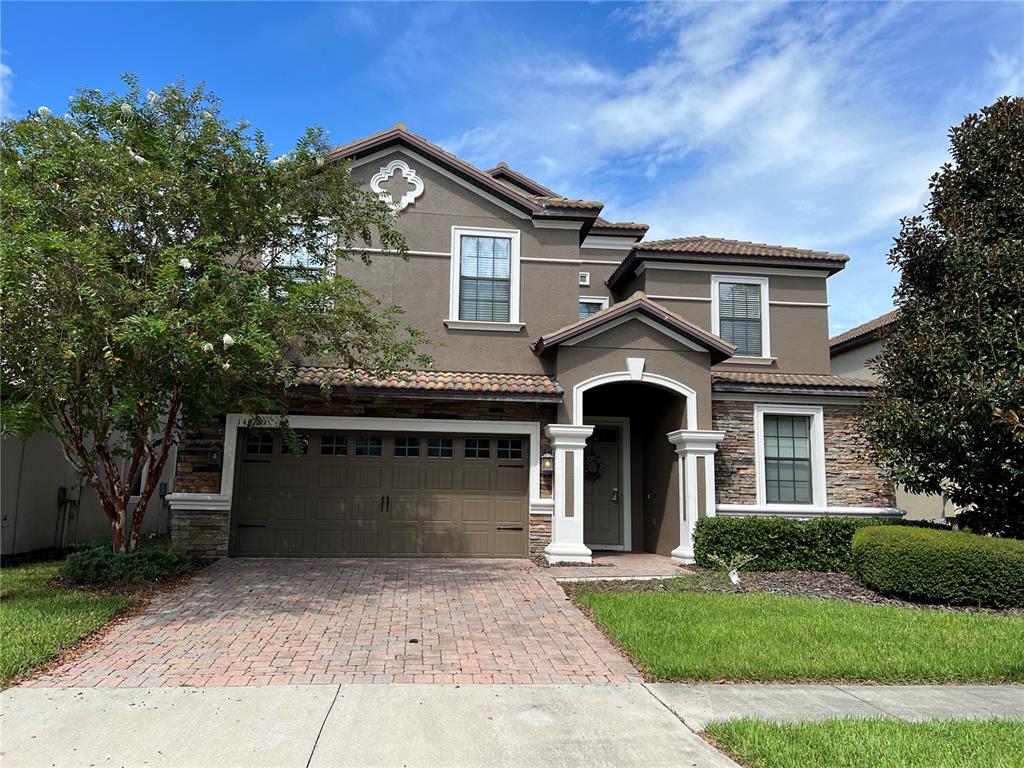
x=602 y=490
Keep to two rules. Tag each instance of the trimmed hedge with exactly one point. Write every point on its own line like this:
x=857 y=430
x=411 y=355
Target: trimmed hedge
x=101 y=565
x=940 y=566
x=784 y=544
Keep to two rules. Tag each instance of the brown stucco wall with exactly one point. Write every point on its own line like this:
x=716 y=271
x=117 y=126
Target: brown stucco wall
x=851 y=479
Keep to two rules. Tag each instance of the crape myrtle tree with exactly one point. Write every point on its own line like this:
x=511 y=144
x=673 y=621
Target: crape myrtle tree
x=143 y=240
x=947 y=415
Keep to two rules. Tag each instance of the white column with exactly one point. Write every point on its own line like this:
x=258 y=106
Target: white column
x=568 y=442
x=689 y=444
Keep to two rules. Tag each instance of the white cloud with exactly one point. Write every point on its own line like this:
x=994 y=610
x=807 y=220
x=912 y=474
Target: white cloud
x=6 y=86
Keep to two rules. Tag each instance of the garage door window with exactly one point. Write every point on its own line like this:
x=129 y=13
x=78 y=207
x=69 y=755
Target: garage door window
x=369 y=445
x=257 y=443
x=333 y=445
x=477 y=448
x=299 y=445
x=407 y=446
x=510 y=449
x=440 y=447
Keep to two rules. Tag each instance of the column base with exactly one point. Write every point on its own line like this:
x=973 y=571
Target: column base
x=683 y=556
x=567 y=553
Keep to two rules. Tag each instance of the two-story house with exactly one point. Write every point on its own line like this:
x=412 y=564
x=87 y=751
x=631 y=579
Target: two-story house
x=591 y=390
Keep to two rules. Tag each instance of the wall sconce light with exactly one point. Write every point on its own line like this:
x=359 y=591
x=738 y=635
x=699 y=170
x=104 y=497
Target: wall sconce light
x=547 y=464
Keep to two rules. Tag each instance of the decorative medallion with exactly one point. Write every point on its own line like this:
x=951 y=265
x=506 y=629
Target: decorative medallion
x=385 y=174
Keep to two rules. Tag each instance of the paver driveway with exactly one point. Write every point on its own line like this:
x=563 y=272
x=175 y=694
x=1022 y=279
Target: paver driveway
x=265 y=622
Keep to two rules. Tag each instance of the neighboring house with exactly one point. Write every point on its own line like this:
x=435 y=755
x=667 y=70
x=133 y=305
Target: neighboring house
x=45 y=504
x=851 y=354
x=590 y=390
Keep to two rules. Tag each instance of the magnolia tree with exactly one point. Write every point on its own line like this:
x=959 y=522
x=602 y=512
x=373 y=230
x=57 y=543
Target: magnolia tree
x=158 y=265
x=947 y=416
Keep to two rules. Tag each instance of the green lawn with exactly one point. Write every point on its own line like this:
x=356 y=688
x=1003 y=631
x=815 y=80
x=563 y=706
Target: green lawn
x=758 y=637
x=39 y=619
x=873 y=743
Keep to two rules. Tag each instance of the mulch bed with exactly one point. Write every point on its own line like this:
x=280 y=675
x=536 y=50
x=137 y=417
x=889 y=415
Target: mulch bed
x=826 y=586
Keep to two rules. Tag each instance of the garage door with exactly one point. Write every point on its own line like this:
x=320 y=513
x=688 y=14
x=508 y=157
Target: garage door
x=381 y=494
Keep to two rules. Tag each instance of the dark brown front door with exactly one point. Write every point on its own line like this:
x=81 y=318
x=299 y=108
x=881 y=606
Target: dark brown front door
x=381 y=494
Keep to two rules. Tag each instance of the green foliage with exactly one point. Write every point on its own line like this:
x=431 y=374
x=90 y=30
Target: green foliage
x=772 y=638
x=946 y=416
x=148 y=251
x=102 y=565
x=941 y=566
x=782 y=544
x=877 y=742
x=39 y=618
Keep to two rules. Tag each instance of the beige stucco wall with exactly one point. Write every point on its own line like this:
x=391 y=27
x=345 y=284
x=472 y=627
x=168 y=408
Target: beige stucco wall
x=31 y=472
x=854 y=362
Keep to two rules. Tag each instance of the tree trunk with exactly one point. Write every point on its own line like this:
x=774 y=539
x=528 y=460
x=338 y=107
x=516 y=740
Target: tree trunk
x=118 y=526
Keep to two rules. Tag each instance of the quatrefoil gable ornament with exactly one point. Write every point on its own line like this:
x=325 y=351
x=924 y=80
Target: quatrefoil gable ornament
x=384 y=175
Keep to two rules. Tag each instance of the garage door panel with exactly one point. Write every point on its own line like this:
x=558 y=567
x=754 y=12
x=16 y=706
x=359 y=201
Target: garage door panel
x=331 y=502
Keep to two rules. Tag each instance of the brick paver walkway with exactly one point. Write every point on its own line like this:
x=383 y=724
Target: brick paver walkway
x=267 y=622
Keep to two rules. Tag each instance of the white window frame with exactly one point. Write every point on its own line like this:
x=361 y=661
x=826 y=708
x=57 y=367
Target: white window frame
x=716 y=318
x=453 y=320
x=819 y=498
x=602 y=300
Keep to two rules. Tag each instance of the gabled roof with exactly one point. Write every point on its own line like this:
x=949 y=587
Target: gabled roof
x=552 y=206
x=502 y=171
x=862 y=334
x=639 y=303
x=722 y=251
x=491 y=386
x=791 y=383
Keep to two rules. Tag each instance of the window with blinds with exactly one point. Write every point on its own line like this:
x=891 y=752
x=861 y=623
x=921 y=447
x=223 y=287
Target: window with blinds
x=485 y=278
x=787 y=459
x=588 y=308
x=739 y=316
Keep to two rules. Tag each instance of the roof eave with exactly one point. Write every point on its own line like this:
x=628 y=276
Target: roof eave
x=789 y=389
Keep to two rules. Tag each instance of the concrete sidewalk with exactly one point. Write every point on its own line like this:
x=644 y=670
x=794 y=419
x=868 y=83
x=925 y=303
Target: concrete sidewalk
x=698 y=705
x=436 y=725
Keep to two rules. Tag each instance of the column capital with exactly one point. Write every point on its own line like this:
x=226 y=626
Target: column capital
x=568 y=436
x=697 y=441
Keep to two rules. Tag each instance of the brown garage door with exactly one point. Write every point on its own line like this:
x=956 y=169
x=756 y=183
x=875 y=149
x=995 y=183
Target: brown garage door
x=381 y=494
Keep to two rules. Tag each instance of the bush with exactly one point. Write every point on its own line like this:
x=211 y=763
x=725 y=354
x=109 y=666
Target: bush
x=784 y=544
x=101 y=565
x=940 y=566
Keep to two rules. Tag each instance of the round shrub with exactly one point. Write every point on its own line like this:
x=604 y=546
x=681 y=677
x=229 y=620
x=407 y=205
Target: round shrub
x=940 y=566
x=101 y=565
x=783 y=544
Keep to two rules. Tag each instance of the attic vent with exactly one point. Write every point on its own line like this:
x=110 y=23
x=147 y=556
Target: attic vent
x=585 y=279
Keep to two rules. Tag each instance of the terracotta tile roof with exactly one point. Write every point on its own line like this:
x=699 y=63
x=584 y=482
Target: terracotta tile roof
x=489 y=384
x=534 y=187
x=724 y=251
x=638 y=302
x=862 y=334
x=627 y=226
x=802 y=383
x=548 y=201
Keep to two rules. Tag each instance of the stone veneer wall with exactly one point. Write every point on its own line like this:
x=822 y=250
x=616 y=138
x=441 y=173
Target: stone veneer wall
x=205 y=533
x=851 y=480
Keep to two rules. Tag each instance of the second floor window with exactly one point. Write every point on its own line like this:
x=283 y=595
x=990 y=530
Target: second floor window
x=485 y=279
x=741 y=316
x=591 y=306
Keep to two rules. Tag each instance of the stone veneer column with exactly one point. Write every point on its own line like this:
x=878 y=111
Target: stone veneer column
x=568 y=442
x=689 y=444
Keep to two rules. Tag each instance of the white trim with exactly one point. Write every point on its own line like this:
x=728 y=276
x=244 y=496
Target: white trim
x=646 y=378
x=716 y=320
x=609 y=242
x=798 y=510
x=600 y=261
x=634 y=315
x=625 y=479
x=577 y=262
x=744 y=360
x=797 y=399
x=213 y=502
x=583 y=281
x=557 y=224
x=457 y=234
x=670 y=297
x=739 y=269
x=480 y=325
x=444 y=172
x=233 y=421
x=389 y=170
x=445 y=254
x=819 y=497
x=800 y=304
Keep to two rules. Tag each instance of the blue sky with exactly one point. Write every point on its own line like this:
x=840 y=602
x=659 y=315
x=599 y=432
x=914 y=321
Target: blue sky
x=806 y=124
